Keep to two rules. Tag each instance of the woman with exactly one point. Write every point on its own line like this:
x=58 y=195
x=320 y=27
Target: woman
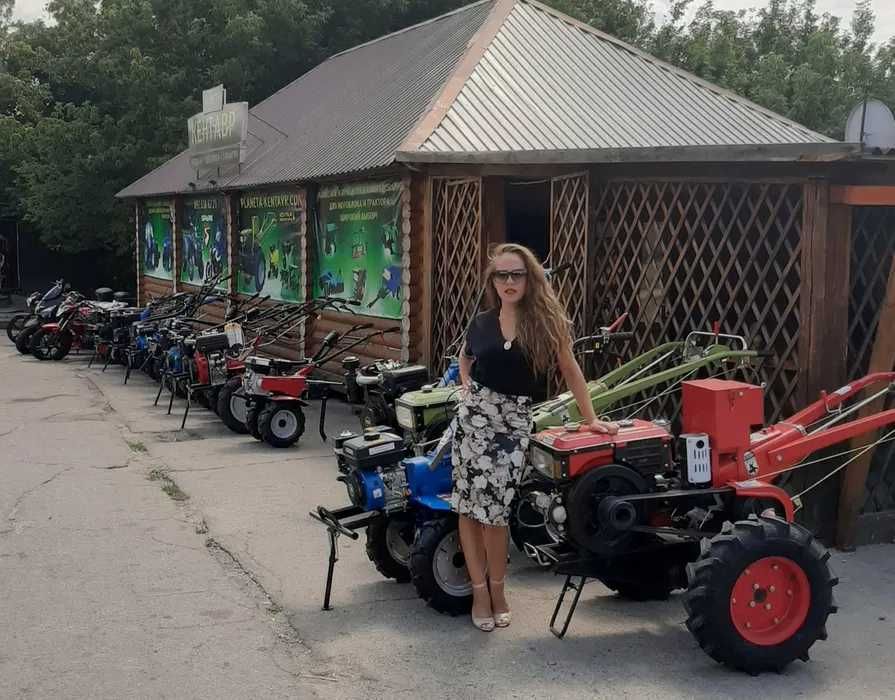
x=508 y=351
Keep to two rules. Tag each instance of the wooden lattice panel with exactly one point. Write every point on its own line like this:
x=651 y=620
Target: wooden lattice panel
x=568 y=244
x=679 y=256
x=457 y=261
x=873 y=244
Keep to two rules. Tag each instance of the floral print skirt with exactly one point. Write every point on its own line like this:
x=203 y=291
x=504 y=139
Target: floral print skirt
x=491 y=436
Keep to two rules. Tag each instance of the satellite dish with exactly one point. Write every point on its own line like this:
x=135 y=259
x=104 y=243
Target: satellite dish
x=875 y=119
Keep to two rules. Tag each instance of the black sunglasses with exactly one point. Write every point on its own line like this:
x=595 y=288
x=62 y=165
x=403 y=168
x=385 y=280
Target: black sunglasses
x=510 y=275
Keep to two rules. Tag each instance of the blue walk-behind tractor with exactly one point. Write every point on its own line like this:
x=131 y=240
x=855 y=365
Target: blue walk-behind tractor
x=403 y=502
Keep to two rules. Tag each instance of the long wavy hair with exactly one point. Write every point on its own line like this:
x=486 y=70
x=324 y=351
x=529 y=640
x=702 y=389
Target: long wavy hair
x=543 y=328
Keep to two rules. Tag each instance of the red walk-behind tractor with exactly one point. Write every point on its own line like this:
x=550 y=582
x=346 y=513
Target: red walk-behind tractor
x=625 y=512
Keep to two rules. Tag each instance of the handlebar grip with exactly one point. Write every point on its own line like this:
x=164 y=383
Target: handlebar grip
x=623 y=335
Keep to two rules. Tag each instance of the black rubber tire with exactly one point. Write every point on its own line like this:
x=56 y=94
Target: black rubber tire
x=252 y=413
x=61 y=345
x=268 y=415
x=429 y=537
x=712 y=577
x=233 y=386
x=522 y=517
x=379 y=552
x=15 y=326
x=213 y=399
x=23 y=340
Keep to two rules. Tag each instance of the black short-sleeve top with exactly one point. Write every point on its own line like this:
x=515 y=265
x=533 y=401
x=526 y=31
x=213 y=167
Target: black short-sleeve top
x=506 y=371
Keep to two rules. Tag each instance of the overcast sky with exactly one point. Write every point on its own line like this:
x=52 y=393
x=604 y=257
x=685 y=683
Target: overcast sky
x=885 y=11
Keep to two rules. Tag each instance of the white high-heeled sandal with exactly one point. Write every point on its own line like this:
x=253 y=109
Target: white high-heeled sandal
x=502 y=619
x=485 y=624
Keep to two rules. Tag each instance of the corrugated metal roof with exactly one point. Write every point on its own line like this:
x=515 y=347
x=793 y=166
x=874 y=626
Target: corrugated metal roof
x=348 y=114
x=548 y=83
x=545 y=84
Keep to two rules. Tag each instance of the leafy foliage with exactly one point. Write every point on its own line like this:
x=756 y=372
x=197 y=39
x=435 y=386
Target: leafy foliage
x=97 y=97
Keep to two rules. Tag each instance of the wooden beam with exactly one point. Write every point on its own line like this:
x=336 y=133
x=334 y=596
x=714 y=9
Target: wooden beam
x=795 y=152
x=864 y=195
x=854 y=482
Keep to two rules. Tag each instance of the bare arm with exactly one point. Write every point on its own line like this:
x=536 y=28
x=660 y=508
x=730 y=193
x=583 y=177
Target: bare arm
x=465 y=367
x=571 y=372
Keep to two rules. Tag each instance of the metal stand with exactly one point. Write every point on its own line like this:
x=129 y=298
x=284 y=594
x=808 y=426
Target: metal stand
x=342 y=521
x=190 y=388
x=566 y=587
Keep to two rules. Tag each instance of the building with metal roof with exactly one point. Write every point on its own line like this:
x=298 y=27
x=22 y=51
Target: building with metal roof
x=386 y=173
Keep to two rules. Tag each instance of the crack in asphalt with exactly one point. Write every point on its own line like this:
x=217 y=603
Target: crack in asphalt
x=18 y=502
x=38 y=399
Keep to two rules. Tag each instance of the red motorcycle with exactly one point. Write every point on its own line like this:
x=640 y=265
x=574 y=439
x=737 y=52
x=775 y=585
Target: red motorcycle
x=74 y=328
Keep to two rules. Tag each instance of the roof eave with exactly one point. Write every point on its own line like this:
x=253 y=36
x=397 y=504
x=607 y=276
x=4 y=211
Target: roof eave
x=795 y=152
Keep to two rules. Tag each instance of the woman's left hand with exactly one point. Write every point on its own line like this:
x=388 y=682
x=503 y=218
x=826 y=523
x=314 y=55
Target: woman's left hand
x=602 y=426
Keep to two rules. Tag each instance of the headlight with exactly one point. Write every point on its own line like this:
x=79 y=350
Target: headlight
x=545 y=463
x=405 y=417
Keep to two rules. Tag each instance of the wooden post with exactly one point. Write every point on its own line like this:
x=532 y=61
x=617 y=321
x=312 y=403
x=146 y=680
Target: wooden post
x=823 y=329
x=138 y=249
x=826 y=247
x=177 y=248
x=421 y=268
x=494 y=211
x=854 y=482
x=304 y=243
x=231 y=225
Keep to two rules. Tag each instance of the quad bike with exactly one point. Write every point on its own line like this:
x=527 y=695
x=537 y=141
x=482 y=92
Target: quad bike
x=626 y=512
x=252 y=262
x=276 y=402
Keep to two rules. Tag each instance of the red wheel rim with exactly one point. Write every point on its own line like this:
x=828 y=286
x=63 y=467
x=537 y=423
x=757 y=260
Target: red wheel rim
x=770 y=600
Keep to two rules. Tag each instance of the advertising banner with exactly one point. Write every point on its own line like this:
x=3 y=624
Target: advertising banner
x=359 y=246
x=203 y=240
x=269 y=247
x=158 y=241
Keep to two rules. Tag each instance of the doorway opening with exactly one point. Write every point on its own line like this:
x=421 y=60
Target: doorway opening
x=528 y=214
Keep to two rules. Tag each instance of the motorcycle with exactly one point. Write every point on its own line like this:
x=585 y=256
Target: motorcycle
x=36 y=302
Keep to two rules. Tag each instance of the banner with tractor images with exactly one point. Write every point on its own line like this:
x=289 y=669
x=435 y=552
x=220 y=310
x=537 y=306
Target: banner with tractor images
x=359 y=246
x=203 y=241
x=158 y=241
x=269 y=252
